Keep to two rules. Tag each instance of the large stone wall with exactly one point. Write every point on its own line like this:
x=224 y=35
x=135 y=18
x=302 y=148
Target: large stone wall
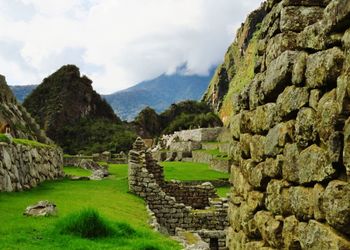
x=173 y=204
x=23 y=167
x=291 y=130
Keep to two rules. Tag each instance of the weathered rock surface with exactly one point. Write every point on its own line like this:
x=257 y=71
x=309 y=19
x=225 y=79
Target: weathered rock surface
x=42 y=208
x=23 y=167
x=291 y=132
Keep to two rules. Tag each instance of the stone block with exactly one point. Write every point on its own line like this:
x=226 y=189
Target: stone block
x=337 y=16
x=257 y=145
x=323 y=68
x=305 y=127
x=328 y=114
x=279 y=44
x=278 y=75
x=302 y=202
x=320 y=236
x=290 y=167
x=314 y=165
x=299 y=68
x=277 y=200
x=296 y=18
x=273 y=167
x=315 y=95
x=240 y=184
x=269 y=228
x=245 y=140
x=336 y=205
x=291 y=100
x=264 y=118
x=277 y=138
x=255 y=94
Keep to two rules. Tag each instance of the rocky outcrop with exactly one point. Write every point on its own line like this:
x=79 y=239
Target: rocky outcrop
x=290 y=128
x=23 y=167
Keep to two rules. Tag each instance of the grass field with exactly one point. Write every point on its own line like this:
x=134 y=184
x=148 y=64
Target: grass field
x=109 y=197
x=77 y=171
x=185 y=171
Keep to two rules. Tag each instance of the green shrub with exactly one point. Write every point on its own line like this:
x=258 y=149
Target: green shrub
x=89 y=224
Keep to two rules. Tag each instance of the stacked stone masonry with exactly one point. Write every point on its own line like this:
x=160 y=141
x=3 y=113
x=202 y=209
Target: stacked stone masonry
x=175 y=204
x=23 y=167
x=195 y=146
x=291 y=132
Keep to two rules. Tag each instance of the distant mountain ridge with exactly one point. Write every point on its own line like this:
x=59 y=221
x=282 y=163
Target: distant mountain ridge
x=21 y=92
x=158 y=93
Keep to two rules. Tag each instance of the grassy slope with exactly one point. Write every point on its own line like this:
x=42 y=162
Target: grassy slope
x=109 y=197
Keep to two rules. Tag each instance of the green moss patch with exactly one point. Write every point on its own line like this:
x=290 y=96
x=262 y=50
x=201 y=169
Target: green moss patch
x=31 y=143
x=4 y=138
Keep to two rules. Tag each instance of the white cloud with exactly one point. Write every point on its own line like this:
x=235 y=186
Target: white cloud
x=117 y=43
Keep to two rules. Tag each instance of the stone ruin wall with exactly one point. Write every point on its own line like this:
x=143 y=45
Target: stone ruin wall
x=173 y=203
x=291 y=130
x=23 y=167
x=199 y=135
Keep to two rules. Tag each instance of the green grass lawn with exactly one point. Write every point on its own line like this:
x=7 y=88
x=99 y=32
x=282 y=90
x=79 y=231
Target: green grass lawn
x=109 y=197
x=186 y=171
x=76 y=171
x=223 y=191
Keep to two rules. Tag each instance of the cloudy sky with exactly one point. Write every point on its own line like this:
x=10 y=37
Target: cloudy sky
x=116 y=43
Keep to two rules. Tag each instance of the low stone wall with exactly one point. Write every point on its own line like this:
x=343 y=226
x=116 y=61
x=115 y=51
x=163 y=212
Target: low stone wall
x=215 y=183
x=146 y=179
x=194 y=196
x=74 y=160
x=185 y=146
x=23 y=167
x=202 y=156
x=221 y=165
x=199 y=135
